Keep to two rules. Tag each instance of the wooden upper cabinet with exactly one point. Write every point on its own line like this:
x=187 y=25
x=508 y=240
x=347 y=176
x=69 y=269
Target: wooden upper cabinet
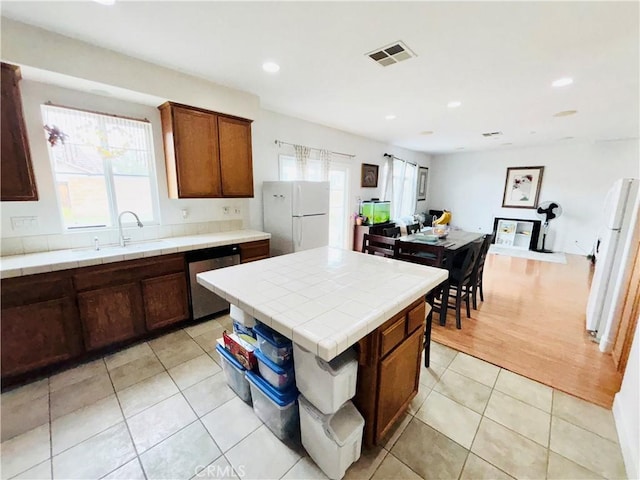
x=236 y=165
x=207 y=155
x=17 y=181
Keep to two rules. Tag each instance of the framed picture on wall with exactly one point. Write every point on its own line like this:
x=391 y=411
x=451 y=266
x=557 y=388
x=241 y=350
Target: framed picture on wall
x=369 y=175
x=522 y=187
x=421 y=188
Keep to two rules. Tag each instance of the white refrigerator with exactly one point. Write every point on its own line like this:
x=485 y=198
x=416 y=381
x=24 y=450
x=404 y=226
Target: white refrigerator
x=617 y=236
x=296 y=214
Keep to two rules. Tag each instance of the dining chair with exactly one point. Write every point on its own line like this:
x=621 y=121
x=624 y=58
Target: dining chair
x=478 y=271
x=379 y=245
x=432 y=256
x=392 y=232
x=413 y=228
x=461 y=280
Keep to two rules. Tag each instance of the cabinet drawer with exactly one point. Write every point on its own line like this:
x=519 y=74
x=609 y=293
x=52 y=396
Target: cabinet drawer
x=392 y=336
x=252 y=251
x=415 y=318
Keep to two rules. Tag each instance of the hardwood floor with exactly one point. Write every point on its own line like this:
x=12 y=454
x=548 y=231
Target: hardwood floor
x=532 y=322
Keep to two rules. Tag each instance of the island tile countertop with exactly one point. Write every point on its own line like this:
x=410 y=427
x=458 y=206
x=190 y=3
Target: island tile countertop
x=325 y=299
x=41 y=262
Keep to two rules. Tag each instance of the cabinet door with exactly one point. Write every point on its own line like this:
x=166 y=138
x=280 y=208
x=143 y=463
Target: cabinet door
x=236 y=166
x=17 y=180
x=39 y=334
x=195 y=135
x=398 y=382
x=165 y=300
x=111 y=315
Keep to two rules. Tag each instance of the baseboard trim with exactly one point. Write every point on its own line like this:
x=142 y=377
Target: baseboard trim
x=630 y=453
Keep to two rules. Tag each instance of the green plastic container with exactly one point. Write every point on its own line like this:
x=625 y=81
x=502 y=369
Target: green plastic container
x=376 y=212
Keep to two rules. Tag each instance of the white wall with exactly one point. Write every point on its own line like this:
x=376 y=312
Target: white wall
x=271 y=126
x=577 y=176
x=46 y=210
x=626 y=412
x=27 y=45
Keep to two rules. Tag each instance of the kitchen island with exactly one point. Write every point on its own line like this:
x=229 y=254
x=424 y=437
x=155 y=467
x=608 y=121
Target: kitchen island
x=327 y=300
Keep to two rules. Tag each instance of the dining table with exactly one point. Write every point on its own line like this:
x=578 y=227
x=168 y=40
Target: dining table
x=454 y=242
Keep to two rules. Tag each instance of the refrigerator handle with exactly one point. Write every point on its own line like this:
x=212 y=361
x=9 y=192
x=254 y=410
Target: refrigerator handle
x=301 y=233
x=299 y=202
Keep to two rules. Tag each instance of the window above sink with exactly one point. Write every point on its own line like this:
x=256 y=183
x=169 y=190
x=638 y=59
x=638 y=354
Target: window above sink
x=102 y=164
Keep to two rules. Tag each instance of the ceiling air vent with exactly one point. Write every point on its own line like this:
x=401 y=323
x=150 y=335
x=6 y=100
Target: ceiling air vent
x=393 y=53
x=491 y=134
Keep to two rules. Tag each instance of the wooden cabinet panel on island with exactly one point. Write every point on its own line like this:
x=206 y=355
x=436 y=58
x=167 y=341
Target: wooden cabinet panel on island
x=17 y=182
x=389 y=370
x=207 y=155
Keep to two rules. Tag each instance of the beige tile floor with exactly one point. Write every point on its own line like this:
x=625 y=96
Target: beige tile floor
x=161 y=409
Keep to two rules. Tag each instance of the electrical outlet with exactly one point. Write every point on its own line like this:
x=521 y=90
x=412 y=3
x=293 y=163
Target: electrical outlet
x=226 y=210
x=24 y=224
x=237 y=210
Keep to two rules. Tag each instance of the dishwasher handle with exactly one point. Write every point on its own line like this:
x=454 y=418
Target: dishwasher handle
x=212 y=252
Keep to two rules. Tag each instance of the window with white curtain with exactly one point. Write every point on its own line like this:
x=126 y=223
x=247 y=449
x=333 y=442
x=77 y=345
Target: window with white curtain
x=104 y=166
x=404 y=189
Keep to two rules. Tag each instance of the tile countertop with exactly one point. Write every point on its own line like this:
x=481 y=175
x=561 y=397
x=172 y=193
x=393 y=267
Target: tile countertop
x=28 y=264
x=325 y=299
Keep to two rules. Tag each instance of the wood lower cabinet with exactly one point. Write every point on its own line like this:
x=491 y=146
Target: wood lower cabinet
x=111 y=315
x=207 y=154
x=40 y=324
x=165 y=300
x=17 y=182
x=252 y=251
x=69 y=315
x=389 y=371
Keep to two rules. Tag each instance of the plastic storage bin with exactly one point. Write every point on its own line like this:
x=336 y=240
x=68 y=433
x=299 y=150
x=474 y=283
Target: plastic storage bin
x=274 y=346
x=279 y=376
x=333 y=441
x=327 y=385
x=234 y=373
x=277 y=409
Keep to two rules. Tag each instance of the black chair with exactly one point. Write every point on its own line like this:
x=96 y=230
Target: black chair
x=392 y=232
x=413 y=228
x=432 y=256
x=379 y=245
x=461 y=281
x=478 y=271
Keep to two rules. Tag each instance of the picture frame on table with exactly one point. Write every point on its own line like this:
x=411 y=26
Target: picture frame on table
x=369 y=177
x=421 y=187
x=522 y=187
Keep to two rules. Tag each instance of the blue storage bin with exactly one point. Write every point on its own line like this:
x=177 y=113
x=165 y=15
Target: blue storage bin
x=241 y=329
x=234 y=373
x=278 y=409
x=279 y=376
x=277 y=348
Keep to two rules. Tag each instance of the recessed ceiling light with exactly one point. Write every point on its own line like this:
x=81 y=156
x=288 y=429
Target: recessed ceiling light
x=532 y=132
x=105 y=2
x=454 y=104
x=427 y=132
x=270 y=67
x=390 y=117
x=562 y=82
x=565 y=113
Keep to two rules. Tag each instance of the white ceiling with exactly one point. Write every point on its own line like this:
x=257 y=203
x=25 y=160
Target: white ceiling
x=497 y=58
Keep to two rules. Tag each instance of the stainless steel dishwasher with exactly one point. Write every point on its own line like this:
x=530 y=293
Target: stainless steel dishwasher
x=204 y=302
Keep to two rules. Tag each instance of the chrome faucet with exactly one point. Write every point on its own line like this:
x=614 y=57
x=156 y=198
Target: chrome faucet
x=123 y=239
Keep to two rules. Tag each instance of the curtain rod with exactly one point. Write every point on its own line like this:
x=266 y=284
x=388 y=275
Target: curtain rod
x=397 y=158
x=280 y=143
x=51 y=104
